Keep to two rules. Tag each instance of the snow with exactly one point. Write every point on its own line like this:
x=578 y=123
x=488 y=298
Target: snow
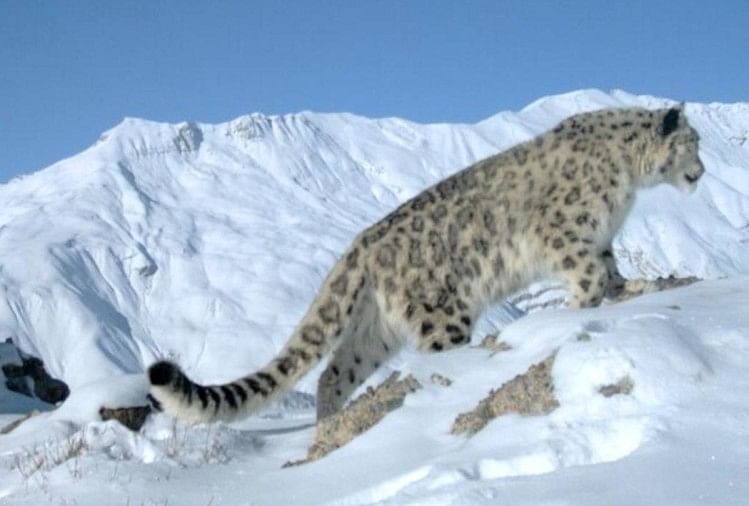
x=680 y=437
x=205 y=243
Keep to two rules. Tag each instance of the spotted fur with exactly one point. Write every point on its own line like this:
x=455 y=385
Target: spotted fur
x=548 y=207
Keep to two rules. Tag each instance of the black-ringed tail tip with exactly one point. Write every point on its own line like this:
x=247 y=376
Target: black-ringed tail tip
x=156 y=405
x=174 y=394
x=162 y=373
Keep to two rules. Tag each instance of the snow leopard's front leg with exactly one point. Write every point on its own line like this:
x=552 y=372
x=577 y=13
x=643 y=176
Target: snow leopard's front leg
x=616 y=281
x=586 y=274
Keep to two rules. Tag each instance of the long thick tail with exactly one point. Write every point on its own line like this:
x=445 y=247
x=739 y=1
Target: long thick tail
x=324 y=324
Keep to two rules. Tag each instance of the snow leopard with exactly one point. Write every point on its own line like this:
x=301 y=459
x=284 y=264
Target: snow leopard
x=545 y=208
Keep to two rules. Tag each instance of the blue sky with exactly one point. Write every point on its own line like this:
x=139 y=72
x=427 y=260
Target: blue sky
x=70 y=70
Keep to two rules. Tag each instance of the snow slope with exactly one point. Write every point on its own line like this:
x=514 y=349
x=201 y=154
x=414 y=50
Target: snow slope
x=679 y=438
x=205 y=243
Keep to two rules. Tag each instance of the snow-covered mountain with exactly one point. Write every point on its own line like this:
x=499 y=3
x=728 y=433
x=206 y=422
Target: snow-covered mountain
x=206 y=242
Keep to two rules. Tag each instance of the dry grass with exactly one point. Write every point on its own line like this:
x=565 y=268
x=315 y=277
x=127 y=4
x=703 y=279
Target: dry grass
x=42 y=458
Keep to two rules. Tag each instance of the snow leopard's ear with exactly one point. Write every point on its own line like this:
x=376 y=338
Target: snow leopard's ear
x=671 y=120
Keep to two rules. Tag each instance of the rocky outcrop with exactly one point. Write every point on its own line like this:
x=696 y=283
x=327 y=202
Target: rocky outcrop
x=530 y=393
x=359 y=416
x=32 y=379
x=132 y=417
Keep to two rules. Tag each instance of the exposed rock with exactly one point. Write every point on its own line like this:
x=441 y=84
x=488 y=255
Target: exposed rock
x=132 y=417
x=13 y=371
x=16 y=380
x=46 y=388
x=622 y=387
x=635 y=287
x=491 y=342
x=438 y=379
x=189 y=138
x=362 y=414
x=531 y=393
x=583 y=337
x=43 y=386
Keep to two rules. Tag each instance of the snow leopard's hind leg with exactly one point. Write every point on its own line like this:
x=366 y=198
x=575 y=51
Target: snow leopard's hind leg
x=367 y=347
x=349 y=367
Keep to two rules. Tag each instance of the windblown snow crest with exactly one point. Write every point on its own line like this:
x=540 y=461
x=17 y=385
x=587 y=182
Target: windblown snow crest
x=205 y=243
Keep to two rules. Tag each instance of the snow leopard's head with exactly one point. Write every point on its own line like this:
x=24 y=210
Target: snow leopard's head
x=673 y=154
